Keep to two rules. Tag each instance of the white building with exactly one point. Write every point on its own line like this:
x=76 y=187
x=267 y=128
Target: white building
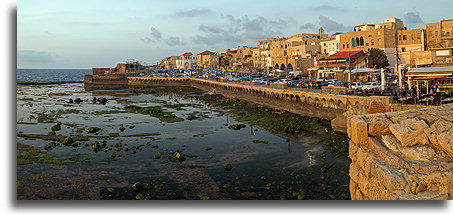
x=332 y=46
x=364 y=27
x=186 y=61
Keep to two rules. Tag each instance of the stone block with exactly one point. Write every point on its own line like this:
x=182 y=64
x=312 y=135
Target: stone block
x=444 y=140
x=391 y=143
x=419 y=153
x=361 y=158
x=358 y=130
x=378 y=126
x=390 y=178
x=427 y=195
x=352 y=148
x=410 y=132
x=354 y=172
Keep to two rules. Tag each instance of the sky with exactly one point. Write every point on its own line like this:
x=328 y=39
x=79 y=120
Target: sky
x=102 y=33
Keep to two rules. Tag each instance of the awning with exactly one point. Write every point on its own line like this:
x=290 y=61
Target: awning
x=365 y=70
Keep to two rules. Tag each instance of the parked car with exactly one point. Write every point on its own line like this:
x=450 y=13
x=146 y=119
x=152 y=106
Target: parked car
x=356 y=85
x=371 y=85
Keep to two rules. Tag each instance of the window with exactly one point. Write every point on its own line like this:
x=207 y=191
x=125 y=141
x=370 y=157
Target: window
x=347 y=45
x=404 y=37
x=412 y=36
x=372 y=42
x=403 y=49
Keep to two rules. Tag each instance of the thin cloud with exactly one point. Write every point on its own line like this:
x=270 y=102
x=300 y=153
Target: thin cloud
x=413 y=20
x=154 y=36
x=237 y=30
x=195 y=12
x=325 y=8
x=307 y=26
x=174 y=41
x=332 y=26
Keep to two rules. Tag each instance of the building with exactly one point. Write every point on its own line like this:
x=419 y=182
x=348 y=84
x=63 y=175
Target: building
x=331 y=46
x=297 y=52
x=186 y=61
x=207 y=59
x=340 y=65
x=410 y=41
x=364 y=27
x=439 y=41
x=264 y=59
x=385 y=36
x=168 y=62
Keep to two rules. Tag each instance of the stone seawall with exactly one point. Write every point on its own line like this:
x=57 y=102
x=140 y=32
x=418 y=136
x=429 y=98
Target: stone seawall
x=403 y=155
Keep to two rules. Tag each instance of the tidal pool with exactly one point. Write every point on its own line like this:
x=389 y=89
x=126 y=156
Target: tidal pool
x=146 y=147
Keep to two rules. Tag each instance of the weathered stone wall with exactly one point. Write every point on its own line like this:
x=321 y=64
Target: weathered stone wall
x=401 y=155
x=105 y=80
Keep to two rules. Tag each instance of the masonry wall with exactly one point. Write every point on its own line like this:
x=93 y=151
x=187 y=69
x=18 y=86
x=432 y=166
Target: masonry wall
x=403 y=155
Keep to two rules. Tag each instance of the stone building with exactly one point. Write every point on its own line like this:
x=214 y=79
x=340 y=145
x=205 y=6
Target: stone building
x=384 y=36
x=410 y=41
x=439 y=41
x=291 y=54
x=186 y=61
x=331 y=46
x=264 y=60
x=207 y=59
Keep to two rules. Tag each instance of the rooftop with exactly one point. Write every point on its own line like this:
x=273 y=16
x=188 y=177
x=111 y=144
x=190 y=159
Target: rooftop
x=342 y=55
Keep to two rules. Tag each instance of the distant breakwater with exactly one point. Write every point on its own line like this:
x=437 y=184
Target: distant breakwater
x=47 y=83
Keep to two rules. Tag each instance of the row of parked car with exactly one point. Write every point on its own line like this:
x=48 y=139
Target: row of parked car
x=320 y=83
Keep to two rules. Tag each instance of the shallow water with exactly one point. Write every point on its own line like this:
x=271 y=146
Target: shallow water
x=285 y=168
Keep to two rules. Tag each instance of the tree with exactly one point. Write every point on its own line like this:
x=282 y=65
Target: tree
x=378 y=58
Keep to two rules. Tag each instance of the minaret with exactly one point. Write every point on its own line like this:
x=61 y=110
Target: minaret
x=320 y=32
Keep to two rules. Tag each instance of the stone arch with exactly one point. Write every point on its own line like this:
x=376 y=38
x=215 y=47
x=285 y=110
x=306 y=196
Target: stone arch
x=289 y=67
x=361 y=41
x=332 y=104
x=353 y=42
x=282 y=67
x=276 y=66
x=341 y=105
x=324 y=102
x=317 y=102
x=310 y=100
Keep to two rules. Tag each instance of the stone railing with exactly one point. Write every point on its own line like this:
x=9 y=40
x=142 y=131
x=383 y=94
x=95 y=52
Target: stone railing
x=404 y=155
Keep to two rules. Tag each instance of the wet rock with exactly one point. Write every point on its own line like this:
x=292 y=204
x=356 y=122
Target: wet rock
x=96 y=146
x=192 y=117
x=68 y=141
x=93 y=129
x=113 y=155
x=102 y=100
x=71 y=101
x=137 y=186
x=228 y=167
x=122 y=127
x=94 y=100
x=180 y=157
x=56 y=127
x=78 y=100
x=237 y=126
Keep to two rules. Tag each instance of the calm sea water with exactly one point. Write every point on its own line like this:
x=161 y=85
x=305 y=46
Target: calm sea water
x=51 y=75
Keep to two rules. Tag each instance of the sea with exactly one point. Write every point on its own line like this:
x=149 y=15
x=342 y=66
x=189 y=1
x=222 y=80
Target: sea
x=50 y=75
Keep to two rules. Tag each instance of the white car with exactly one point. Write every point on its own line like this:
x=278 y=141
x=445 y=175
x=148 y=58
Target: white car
x=356 y=85
x=371 y=85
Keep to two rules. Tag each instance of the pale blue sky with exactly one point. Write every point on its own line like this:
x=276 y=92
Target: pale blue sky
x=101 y=33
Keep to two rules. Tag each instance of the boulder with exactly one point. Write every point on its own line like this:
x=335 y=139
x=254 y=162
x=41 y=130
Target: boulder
x=410 y=132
